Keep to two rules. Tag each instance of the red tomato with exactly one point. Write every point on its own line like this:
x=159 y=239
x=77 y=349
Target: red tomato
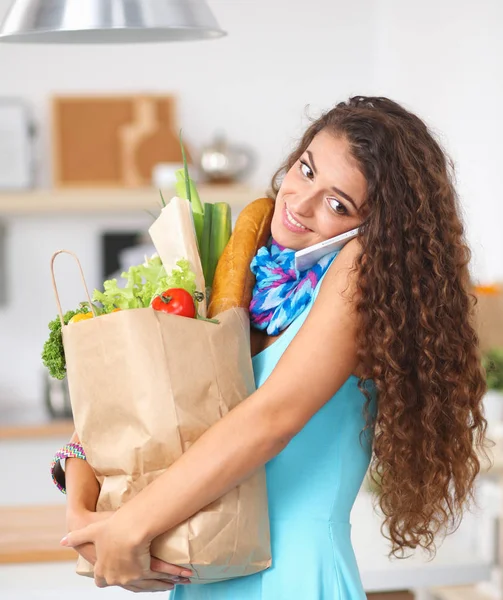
x=175 y=301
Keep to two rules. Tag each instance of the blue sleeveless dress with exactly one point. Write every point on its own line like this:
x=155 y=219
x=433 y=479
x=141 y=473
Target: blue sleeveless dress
x=311 y=485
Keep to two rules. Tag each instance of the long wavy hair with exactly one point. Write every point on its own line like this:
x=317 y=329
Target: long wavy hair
x=416 y=339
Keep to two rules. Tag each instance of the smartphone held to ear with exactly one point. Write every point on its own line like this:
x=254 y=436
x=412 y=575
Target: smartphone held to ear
x=308 y=257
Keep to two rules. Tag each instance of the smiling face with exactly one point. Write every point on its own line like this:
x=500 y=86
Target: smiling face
x=320 y=196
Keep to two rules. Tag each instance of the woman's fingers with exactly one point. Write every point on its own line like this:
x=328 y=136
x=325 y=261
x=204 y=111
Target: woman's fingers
x=79 y=537
x=176 y=579
x=150 y=582
x=152 y=585
x=88 y=552
x=171 y=579
x=159 y=566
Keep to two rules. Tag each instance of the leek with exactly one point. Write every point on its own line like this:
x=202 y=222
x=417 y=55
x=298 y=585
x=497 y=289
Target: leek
x=186 y=188
x=206 y=241
x=221 y=226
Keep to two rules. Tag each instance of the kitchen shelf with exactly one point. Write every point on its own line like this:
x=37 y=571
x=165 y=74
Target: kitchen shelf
x=115 y=200
x=61 y=427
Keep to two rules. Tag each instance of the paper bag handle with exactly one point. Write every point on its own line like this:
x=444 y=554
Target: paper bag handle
x=55 y=287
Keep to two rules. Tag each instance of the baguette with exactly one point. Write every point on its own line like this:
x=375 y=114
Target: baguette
x=233 y=283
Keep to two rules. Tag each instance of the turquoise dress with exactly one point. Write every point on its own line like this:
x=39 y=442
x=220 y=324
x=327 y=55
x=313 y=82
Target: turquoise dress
x=311 y=486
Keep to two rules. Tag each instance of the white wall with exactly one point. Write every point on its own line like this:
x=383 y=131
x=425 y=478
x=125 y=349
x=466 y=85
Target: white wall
x=442 y=58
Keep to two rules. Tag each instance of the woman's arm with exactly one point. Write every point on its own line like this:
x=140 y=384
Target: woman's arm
x=317 y=362
x=82 y=489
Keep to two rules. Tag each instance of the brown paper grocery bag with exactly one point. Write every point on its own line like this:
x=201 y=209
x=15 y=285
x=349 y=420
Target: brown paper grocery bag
x=144 y=385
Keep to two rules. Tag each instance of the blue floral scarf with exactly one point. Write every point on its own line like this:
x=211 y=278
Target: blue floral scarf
x=281 y=292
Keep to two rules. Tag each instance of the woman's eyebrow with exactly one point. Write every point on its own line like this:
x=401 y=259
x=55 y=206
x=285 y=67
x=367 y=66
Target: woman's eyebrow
x=344 y=195
x=336 y=190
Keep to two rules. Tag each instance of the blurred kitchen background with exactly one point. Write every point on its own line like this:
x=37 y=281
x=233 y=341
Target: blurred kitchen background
x=89 y=133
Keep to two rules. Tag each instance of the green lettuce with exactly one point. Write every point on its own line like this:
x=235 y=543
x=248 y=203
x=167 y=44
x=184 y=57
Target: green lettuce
x=143 y=282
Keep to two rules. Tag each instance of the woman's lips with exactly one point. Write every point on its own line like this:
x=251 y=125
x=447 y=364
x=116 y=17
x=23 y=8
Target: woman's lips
x=291 y=226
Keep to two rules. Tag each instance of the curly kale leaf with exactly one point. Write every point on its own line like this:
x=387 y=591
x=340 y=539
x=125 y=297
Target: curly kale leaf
x=53 y=354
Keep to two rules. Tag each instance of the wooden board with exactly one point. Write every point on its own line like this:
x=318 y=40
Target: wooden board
x=113 y=141
x=32 y=534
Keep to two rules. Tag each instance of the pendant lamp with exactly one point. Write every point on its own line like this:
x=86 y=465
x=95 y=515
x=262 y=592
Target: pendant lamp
x=108 y=21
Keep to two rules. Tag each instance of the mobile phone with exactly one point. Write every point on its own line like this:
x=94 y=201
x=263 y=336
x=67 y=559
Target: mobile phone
x=308 y=257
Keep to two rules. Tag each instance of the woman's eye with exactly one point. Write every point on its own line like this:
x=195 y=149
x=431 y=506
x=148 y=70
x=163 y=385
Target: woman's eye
x=306 y=170
x=337 y=206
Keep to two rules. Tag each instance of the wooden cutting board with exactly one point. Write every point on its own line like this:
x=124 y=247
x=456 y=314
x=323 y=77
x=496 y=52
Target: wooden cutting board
x=113 y=141
x=31 y=534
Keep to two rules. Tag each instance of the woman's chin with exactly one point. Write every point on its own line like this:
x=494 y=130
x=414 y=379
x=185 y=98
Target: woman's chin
x=281 y=237
x=285 y=238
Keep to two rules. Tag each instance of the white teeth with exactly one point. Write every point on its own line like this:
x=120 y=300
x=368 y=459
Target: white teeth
x=293 y=221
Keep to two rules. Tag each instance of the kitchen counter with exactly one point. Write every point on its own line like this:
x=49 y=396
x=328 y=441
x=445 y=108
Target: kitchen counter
x=31 y=534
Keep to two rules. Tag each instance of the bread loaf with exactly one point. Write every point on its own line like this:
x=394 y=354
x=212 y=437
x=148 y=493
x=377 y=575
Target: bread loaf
x=233 y=283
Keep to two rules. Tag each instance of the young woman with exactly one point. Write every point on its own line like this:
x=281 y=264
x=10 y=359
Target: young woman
x=376 y=362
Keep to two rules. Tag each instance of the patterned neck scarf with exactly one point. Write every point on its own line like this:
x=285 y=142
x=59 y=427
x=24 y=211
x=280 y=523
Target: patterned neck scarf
x=281 y=292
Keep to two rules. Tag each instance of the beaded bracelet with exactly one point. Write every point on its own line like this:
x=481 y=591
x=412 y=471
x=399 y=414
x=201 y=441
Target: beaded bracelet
x=68 y=451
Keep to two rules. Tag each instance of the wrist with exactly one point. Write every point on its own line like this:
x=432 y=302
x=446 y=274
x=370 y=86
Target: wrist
x=135 y=525
x=77 y=518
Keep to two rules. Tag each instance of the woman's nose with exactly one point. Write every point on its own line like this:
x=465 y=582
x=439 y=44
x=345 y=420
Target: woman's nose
x=304 y=204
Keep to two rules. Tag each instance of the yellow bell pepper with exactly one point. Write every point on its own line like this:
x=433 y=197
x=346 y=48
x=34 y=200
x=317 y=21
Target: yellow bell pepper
x=80 y=317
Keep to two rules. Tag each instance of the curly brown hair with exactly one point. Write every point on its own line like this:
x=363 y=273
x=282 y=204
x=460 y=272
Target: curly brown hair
x=416 y=339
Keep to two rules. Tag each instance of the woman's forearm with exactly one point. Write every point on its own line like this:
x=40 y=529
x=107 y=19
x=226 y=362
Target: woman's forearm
x=228 y=453
x=82 y=487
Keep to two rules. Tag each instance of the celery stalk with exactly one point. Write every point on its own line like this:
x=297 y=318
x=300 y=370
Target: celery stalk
x=221 y=226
